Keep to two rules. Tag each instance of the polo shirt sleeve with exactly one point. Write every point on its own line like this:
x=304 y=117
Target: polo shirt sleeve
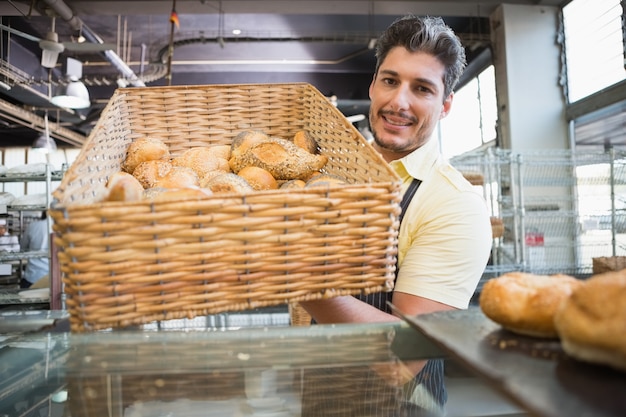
x=447 y=241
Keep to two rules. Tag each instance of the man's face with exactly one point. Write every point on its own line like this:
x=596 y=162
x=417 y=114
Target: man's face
x=406 y=101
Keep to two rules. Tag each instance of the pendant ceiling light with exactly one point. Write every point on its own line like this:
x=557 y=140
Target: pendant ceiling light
x=44 y=143
x=74 y=94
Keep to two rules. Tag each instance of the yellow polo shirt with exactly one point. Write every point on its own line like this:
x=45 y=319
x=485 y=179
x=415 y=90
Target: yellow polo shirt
x=445 y=237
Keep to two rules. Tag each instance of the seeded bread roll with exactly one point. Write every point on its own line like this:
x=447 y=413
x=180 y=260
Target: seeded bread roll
x=281 y=157
x=144 y=149
x=178 y=177
x=244 y=140
x=228 y=183
x=202 y=159
x=176 y=194
x=526 y=303
x=591 y=323
x=149 y=172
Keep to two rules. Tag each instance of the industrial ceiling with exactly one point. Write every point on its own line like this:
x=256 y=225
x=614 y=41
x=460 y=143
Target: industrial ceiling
x=135 y=43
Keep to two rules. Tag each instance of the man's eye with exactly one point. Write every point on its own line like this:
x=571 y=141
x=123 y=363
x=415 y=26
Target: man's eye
x=389 y=81
x=422 y=89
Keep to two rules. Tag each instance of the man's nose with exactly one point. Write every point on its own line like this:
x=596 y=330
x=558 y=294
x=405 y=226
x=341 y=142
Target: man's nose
x=401 y=98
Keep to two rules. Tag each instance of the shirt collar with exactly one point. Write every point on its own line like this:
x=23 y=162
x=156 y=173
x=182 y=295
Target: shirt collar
x=418 y=163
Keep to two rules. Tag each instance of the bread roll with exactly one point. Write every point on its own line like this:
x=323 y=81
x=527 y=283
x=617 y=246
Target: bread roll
x=149 y=172
x=221 y=151
x=292 y=184
x=178 y=177
x=202 y=159
x=258 y=178
x=228 y=183
x=282 y=158
x=244 y=140
x=144 y=149
x=122 y=186
x=176 y=194
x=591 y=323
x=325 y=180
x=306 y=141
x=526 y=303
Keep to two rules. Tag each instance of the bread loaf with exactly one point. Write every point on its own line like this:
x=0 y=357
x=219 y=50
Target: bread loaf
x=244 y=140
x=325 y=180
x=526 y=303
x=591 y=323
x=122 y=186
x=306 y=141
x=149 y=172
x=202 y=159
x=258 y=178
x=228 y=183
x=157 y=194
x=144 y=149
x=178 y=177
x=283 y=159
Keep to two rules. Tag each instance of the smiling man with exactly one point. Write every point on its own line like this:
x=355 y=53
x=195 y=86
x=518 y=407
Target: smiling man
x=445 y=234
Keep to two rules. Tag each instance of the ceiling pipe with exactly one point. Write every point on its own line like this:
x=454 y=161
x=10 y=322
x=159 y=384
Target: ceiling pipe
x=31 y=120
x=64 y=11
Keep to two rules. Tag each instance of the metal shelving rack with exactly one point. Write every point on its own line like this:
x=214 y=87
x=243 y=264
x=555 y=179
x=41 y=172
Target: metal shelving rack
x=560 y=209
x=19 y=257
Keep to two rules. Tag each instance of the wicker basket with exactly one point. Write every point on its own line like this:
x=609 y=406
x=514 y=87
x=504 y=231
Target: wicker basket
x=133 y=263
x=608 y=263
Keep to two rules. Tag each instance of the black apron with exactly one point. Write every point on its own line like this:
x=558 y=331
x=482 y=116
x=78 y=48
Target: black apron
x=431 y=377
x=366 y=395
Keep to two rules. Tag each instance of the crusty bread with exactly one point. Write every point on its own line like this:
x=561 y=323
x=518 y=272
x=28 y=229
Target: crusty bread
x=306 y=141
x=325 y=180
x=591 y=323
x=281 y=157
x=526 y=303
x=259 y=178
x=149 y=172
x=221 y=151
x=228 y=183
x=176 y=194
x=244 y=140
x=292 y=184
x=144 y=149
x=122 y=186
x=178 y=177
x=202 y=159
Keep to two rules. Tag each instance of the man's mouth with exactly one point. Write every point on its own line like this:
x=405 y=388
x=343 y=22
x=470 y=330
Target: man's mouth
x=397 y=119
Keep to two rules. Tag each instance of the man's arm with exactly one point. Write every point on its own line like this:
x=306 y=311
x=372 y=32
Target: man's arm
x=348 y=309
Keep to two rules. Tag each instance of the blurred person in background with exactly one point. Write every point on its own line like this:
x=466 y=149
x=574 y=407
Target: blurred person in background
x=36 y=238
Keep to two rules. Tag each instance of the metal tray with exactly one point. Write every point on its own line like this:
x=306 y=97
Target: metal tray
x=536 y=374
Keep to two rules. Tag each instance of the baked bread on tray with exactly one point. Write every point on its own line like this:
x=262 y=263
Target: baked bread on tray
x=526 y=303
x=591 y=323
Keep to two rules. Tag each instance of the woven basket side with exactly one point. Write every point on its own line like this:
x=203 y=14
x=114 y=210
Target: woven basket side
x=133 y=263
x=608 y=264
x=189 y=116
x=100 y=157
x=298 y=316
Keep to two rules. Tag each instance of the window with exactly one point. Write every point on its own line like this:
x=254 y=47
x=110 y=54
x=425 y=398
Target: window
x=472 y=120
x=594 y=46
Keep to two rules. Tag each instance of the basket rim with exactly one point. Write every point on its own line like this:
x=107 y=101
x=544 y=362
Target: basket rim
x=59 y=193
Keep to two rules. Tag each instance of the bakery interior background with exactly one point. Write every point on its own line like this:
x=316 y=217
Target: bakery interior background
x=326 y=43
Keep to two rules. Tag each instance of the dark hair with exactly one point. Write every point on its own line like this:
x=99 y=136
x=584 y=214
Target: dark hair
x=430 y=35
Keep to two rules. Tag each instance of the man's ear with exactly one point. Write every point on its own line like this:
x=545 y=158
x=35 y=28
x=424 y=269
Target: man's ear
x=372 y=86
x=446 y=106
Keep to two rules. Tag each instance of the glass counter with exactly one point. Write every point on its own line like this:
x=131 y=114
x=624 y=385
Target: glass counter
x=211 y=369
